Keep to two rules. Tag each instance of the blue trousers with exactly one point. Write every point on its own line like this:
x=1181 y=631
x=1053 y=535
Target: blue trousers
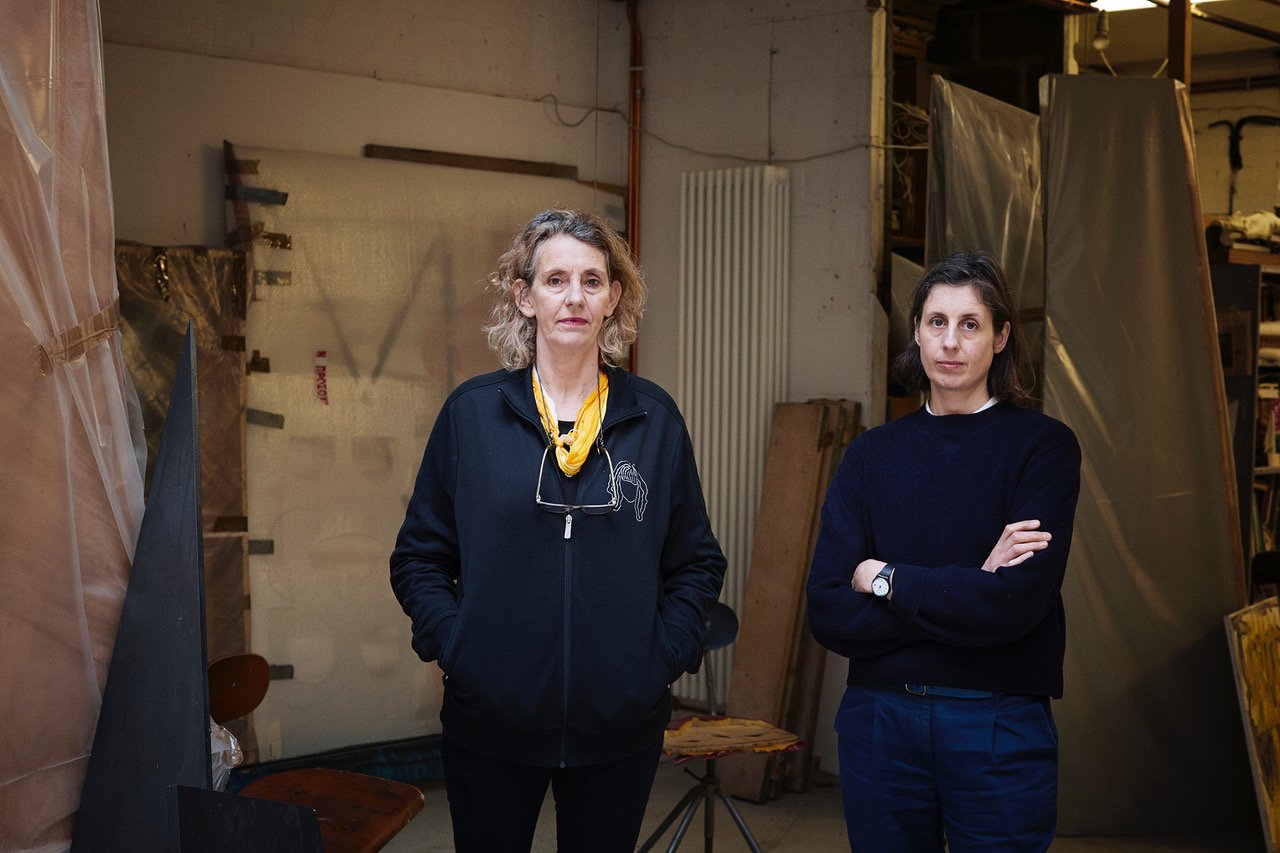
x=983 y=773
x=494 y=804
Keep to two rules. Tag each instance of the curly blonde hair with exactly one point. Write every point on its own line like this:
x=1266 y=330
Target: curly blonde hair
x=513 y=336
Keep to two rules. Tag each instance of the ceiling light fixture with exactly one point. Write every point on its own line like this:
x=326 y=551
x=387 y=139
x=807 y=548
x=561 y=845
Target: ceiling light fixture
x=1126 y=5
x=1101 y=33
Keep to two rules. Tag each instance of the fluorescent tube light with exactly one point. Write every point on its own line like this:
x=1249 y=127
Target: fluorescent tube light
x=1126 y=5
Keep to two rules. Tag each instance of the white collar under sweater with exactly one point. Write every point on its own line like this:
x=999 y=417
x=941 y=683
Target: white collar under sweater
x=991 y=401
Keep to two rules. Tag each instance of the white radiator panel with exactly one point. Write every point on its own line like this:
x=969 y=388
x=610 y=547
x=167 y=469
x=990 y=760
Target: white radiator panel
x=734 y=239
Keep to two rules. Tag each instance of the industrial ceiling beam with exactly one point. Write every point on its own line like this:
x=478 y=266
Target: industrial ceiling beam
x=1229 y=23
x=1077 y=7
x=1179 y=32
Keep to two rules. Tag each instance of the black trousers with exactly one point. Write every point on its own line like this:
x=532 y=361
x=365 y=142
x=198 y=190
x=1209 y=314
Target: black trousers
x=494 y=803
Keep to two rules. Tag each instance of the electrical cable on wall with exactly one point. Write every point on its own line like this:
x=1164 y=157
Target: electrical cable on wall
x=558 y=119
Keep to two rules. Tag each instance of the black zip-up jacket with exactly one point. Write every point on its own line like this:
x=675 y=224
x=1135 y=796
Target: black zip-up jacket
x=559 y=634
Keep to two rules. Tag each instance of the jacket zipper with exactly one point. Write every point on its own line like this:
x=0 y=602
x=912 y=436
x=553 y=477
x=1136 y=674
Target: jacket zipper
x=568 y=584
x=568 y=576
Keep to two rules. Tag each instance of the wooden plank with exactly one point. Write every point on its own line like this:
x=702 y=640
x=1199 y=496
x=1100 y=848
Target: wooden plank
x=805 y=696
x=786 y=771
x=1268 y=260
x=775 y=582
x=804 y=652
x=472 y=161
x=1254 y=636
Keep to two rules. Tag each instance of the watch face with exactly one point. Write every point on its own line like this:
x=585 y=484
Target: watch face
x=880 y=586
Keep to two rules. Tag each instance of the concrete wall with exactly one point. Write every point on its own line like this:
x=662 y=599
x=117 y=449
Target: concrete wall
x=784 y=83
x=508 y=49
x=1258 y=183
x=292 y=78
x=798 y=82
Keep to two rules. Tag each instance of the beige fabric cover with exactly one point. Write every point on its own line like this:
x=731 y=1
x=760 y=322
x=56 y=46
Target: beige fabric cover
x=1151 y=738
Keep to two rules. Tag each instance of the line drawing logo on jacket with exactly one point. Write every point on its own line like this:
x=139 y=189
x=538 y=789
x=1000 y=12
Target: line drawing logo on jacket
x=626 y=475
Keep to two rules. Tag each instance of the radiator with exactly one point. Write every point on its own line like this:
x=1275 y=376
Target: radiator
x=734 y=238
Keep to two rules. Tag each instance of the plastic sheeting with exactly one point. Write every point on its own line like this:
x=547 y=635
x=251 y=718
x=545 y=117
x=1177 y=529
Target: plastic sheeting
x=984 y=193
x=369 y=319
x=70 y=477
x=904 y=275
x=1151 y=736
x=161 y=288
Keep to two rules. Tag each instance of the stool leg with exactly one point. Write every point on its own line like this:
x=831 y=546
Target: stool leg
x=742 y=825
x=693 y=792
x=709 y=823
x=685 y=821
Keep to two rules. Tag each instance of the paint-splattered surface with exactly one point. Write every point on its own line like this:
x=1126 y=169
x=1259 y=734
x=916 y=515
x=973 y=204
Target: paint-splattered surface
x=1255 y=652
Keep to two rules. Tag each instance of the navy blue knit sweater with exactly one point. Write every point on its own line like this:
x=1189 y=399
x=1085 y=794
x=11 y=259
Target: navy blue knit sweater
x=932 y=494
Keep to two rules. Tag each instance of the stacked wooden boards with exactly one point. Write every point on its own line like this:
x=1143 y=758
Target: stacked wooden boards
x=777 y=666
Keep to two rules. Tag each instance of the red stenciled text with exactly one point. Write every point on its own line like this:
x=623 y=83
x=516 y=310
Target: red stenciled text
x=322 y=384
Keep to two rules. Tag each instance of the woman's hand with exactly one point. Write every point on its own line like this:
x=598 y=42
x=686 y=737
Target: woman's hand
x=1017 y=543
x=865 y=573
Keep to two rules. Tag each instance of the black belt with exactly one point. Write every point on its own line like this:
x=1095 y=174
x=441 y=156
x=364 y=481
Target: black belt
x=947 y=692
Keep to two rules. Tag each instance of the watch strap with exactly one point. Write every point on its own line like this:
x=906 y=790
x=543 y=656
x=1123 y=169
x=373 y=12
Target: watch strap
x=886 y=573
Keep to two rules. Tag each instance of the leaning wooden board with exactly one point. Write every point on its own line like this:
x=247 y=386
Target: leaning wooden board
x=775 y=583
x=809 y=660
x=1254 y=636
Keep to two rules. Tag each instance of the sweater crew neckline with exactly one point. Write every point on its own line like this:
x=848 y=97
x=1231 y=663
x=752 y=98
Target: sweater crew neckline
x=991 y=402
x=958 y=426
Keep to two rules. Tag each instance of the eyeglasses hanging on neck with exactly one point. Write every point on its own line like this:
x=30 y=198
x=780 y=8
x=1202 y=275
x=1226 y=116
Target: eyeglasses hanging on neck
x=585 y=508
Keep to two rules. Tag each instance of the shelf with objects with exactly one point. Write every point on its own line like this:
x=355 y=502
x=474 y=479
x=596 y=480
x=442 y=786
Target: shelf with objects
x=1247 y=298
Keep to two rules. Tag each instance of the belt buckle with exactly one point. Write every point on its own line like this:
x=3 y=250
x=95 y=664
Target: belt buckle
x=916 y=689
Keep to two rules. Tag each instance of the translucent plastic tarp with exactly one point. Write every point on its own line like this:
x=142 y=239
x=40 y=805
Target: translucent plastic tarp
x=904 y=275
x=1151 y=735
x=161 y=289
x=368 y=320
x=70 y=474
x=984 y=193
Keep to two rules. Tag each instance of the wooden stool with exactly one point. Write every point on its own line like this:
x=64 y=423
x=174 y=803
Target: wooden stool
x=710 y=738
x=357 y=813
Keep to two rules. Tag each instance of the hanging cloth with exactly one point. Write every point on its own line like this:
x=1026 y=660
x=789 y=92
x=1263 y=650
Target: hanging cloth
x=573 y=446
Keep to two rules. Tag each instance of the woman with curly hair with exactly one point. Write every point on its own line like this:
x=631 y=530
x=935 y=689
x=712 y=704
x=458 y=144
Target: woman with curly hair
x=556 y=558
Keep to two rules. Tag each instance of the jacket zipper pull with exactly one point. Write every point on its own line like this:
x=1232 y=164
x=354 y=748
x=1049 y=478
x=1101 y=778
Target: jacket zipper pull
x=568 y=525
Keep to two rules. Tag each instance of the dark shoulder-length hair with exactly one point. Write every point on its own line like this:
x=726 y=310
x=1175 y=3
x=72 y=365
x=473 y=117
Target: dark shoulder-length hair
x=1010 y=378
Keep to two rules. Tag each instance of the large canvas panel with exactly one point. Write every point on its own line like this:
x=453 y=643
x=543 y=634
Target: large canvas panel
x=386 y=273
x=984 y=194
x=1151 y=738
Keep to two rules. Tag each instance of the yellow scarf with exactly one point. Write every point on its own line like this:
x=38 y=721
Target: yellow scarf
x=572 y=447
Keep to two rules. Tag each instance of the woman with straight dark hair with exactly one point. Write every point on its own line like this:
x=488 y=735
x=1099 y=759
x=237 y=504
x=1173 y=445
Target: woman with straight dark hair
x=556 y=558
x=938 y=573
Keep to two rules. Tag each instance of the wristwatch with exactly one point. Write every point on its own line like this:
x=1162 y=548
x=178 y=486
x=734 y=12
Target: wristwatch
x=882 y=583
